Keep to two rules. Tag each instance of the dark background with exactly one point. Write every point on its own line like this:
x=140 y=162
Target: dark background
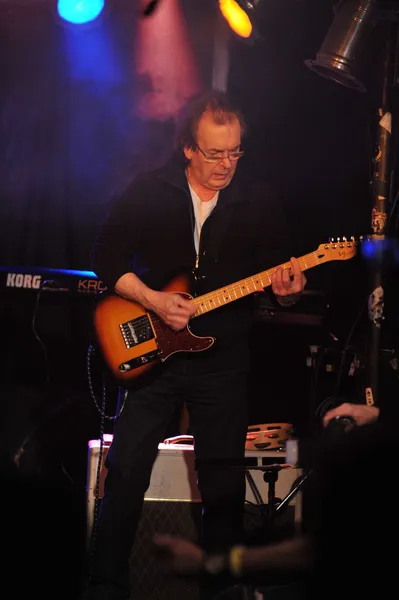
x=76 y=126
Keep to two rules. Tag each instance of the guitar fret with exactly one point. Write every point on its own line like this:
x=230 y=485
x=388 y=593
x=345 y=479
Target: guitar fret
x=262 y=280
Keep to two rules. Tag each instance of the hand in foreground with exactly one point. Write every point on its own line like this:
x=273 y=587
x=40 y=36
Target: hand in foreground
x=173 y=308
x=361 y=413
x=284 y=285
x=178 y=556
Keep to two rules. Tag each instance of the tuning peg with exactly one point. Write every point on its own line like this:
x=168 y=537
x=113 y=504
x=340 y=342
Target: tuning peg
x=344 y=239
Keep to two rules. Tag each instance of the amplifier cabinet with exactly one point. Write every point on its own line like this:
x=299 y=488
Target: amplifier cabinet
x=174 y=477
x=171 y=517
x=172 y=505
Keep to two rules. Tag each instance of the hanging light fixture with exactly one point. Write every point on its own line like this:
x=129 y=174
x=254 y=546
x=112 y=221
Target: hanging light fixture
x=344 y=42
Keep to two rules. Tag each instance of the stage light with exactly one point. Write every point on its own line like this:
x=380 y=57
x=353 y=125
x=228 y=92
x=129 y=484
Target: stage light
x=344 y=42
x=237 y=17
x=79 y=11
x=372 y=248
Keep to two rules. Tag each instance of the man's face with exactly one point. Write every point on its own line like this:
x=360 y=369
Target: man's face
x=213 y=138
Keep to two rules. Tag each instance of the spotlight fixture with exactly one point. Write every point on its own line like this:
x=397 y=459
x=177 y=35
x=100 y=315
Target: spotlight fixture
x=344 y=42
x=239 y=15
x=79 y=11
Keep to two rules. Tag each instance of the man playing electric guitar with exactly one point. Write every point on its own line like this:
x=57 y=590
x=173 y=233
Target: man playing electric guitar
x=189 y=213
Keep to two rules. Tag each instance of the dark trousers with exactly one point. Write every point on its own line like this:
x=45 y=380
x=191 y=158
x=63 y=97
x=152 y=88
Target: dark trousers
x=217 y=407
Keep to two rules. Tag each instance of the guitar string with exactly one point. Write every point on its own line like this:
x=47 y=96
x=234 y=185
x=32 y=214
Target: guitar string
x=249 y=282
x=141 y=326
x=225 y=293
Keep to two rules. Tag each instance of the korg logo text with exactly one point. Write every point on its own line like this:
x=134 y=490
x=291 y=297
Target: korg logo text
x=23 y=280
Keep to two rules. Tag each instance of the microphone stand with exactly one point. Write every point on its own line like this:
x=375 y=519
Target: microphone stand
x=336 y=427
x=381 y=191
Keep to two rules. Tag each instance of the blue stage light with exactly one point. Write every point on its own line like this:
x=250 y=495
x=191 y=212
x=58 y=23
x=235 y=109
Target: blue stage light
x=368 y=249
x=372 y=249
x=79 y=11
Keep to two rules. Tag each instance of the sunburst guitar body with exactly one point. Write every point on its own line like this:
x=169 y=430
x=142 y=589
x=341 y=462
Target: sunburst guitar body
x=132 y=339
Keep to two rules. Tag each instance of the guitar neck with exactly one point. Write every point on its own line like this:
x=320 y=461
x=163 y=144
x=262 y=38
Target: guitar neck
x=250 y=285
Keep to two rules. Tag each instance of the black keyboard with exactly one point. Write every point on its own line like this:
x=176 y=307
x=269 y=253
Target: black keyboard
x=50 y=280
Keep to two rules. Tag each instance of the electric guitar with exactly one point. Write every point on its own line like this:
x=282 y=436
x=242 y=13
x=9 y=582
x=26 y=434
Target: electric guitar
x=132 y=339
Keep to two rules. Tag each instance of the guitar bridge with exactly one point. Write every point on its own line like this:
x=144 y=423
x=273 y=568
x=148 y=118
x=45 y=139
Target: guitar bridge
x=140 y=361
x=136 y=331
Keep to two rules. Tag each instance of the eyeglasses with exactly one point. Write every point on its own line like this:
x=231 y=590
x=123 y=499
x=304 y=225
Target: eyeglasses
x=216 y=157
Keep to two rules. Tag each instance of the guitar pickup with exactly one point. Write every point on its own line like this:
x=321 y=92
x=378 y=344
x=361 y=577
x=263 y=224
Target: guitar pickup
x=140 y=361
x=136 y=331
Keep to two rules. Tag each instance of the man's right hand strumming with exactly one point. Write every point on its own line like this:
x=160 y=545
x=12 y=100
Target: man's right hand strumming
x=173 y=308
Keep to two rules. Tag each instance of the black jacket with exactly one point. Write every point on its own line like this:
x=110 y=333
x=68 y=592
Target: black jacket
x=150 y=231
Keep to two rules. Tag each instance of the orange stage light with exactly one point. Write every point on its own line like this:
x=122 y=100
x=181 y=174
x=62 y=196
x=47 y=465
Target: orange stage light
x=236 y=17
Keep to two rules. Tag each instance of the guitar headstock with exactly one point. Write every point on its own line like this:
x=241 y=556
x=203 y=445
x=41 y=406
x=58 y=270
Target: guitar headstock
x=339 y=248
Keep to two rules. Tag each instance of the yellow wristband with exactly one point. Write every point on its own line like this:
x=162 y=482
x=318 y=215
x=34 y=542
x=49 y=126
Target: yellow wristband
x=235 y=560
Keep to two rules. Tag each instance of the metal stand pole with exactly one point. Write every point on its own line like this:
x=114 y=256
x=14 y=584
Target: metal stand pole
x=381 y=190
x=270 y=476
x=296 y=488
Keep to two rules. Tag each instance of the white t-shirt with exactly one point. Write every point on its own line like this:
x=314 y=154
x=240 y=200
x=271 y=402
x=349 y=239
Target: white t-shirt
x=202 y=210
